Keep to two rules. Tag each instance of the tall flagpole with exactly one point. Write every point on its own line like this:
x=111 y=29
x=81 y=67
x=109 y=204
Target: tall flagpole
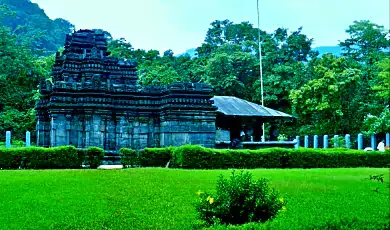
x=261 y=66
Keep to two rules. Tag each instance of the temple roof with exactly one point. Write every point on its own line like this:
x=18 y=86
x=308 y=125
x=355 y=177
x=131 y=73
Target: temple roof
x=233 y=106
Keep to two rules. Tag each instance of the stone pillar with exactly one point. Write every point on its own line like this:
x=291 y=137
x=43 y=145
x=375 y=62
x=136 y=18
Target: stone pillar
x=336 y=141
x=87 y=136
x=306 y=141
x=360 y=141
x=28 y=139
x=387 y=139
x=315 y=141
x=8 y=139
x=38 y=132
x=41 y=130
x=80 y=131
x=53 y=127
x=156 y=137
x=118 y=132
x=46 y=132
x=110 y=133
x=99 y=131
x=348 y=141
x=373 y=142
x=104 y=129
x=143 y=132
x=326 y=141
x=68 y=128
x=151 y=126
x=130 y=131
x=297 y=144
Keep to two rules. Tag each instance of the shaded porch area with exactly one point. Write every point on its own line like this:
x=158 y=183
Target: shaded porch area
x=239 y=124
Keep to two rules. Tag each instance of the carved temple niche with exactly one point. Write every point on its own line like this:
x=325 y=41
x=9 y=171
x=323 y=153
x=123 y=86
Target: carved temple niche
x=95 y=80
x=83 y=82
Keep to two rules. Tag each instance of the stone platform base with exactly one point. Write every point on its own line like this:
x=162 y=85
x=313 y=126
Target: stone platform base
x=110 y=167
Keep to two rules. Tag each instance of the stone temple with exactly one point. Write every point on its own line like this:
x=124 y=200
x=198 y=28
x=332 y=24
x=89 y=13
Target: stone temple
x=93 y=100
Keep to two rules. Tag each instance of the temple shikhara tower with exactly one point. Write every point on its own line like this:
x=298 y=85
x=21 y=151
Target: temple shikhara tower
x=93 y=100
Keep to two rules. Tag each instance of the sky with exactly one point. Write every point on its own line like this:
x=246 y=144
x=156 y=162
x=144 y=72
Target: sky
x=182 y=24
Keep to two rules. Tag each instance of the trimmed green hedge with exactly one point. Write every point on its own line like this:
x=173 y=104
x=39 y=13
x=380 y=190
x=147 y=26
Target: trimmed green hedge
x=129 y=157
x=155 y=157
x=193 y=157
x=148 y=157
x=64 y=157
x=94 y=157
x=197 y=157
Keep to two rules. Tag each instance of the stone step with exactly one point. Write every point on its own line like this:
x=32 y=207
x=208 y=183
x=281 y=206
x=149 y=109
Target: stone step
x=111 y=158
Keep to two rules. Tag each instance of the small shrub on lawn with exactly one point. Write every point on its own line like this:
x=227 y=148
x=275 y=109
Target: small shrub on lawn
x=94 y=157
x=239 y=200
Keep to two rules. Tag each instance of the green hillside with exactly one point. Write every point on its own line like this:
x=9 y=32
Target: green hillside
x=32 y=25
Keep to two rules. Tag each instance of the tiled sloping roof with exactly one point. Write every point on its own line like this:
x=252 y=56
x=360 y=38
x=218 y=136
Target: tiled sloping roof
x=233 y=106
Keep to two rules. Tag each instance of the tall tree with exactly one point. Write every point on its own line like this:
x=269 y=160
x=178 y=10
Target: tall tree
x=382 y=86
x=285 y=57
x=20 y=73
x=155 y=73
x=330 y=103
x=367 y=42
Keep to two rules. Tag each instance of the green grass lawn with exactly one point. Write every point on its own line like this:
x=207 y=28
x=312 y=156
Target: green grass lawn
x=154 y=198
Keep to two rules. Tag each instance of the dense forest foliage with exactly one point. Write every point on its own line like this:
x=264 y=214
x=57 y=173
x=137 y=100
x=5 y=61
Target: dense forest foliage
x=328 y=94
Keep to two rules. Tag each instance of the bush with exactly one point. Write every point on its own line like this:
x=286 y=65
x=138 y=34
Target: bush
x=129 y=157
x=155 y=157
x=94 y=157
x=192 y=156
x=148 y=157
x=239 y=200
x=81 y=154
x=282 y=137
x=36 y=157
x=10 y=158
x=64 y=157
x=197 y=157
